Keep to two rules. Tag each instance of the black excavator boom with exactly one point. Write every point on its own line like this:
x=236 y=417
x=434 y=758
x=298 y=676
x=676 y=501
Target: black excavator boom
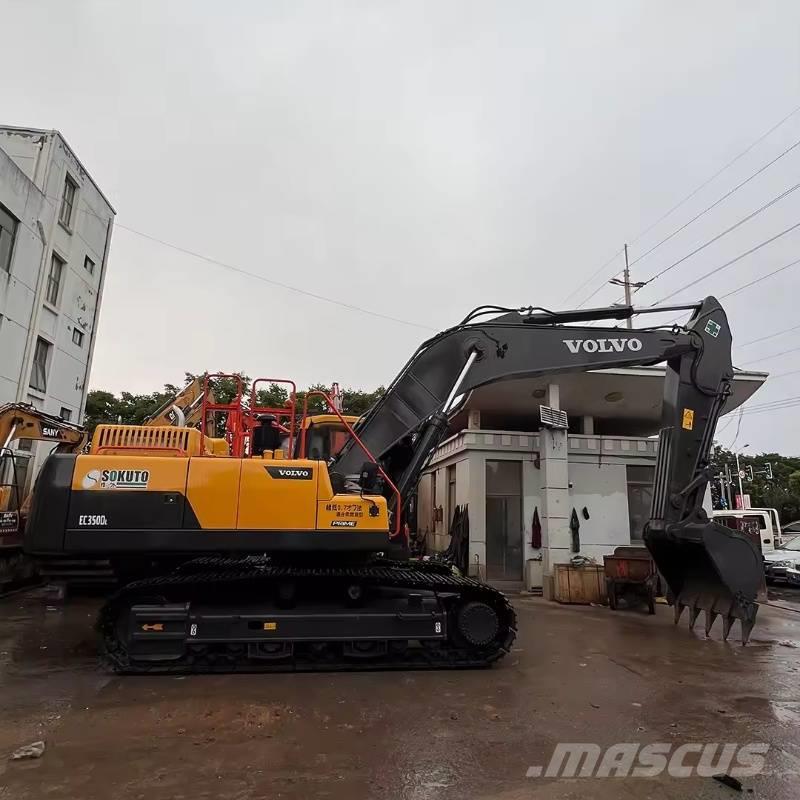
x=706 y=566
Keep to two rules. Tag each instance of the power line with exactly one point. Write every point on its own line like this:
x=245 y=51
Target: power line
x=773 y=355
x=738 y=428
x=685 y=199
x=601 y=286
x=760 y=279
x=717 y=202
x=747 y=285
x=716 y=238
x=254 y=275
x=719 y=430
x=768 y=403
x=728 y=263
x=273 y=282
x=718 y=172
x=771 y=335
x=773 y=409
x=592 y=277
x=776 y=405
x=783 y=374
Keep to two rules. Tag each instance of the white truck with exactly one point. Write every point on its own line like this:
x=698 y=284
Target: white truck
x=763 y=525
x=781 y=559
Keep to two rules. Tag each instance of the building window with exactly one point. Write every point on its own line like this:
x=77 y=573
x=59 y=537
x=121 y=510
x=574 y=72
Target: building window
x=8 y=232
x=41 y=357
x=67 y=202
x=77 y=337
x=640 y=498
x=65 y=414
x=54 y=279
x=88 y=265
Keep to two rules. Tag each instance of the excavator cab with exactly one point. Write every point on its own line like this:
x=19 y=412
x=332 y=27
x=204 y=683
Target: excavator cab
x=11 y=488
x=325 y=436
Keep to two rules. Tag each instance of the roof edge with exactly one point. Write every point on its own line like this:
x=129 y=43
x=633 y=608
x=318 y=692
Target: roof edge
x=55 y=132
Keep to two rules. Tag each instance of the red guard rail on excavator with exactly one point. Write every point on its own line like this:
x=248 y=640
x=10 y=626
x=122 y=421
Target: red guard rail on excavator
x=234 y=425
x=333 y=410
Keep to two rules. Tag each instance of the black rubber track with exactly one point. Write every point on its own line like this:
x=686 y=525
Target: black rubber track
x=209 y=578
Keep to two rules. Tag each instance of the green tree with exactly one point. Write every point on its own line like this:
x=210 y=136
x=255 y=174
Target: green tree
x=273 y=396
x=133 y=409
x=358 y=402
x=781 y=492
x=101 y=406
x=316 y=405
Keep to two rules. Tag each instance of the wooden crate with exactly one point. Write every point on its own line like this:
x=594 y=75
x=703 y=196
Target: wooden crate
x=581 y=585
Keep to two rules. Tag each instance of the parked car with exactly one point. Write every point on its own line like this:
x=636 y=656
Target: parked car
x=782 y=560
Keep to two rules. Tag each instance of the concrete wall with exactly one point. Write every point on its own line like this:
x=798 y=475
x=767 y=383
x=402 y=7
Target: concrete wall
x=33 y=168
x=596 y=477
x=436 y=531
x=603 y=491
x=18 y=286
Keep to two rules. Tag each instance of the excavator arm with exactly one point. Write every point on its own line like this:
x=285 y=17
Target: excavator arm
x=185 y=409
x=22 y=421
x=706 y=566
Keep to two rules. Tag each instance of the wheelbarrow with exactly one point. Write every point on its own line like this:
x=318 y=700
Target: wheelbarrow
x=631 y=572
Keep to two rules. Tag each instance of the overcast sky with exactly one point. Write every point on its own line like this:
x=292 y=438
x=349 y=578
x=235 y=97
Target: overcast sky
x=415 y=159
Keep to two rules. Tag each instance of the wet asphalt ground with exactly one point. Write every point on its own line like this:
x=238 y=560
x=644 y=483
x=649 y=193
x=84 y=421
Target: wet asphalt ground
x=577 y=674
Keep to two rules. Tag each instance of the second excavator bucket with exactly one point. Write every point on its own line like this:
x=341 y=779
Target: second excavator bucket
x=709 y=568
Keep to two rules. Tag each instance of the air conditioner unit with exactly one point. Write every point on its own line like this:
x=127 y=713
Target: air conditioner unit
x=553 y=417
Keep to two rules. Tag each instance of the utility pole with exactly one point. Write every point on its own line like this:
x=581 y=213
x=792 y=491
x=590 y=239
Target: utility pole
x=627 y=274
x=739 y=475
x=626 y=283
x=728 y=484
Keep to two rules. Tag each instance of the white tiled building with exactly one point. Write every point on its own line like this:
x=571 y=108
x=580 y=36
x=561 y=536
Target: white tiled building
x=506 y=467
x=55 y=234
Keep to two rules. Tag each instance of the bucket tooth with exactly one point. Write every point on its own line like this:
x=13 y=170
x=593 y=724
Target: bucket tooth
x=711 y=617
x=747 y=628
x=694 y=612
x=727 y=621
x=678 y=610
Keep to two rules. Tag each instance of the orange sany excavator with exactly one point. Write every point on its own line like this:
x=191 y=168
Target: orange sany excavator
x=301 y=562
x=20 y=421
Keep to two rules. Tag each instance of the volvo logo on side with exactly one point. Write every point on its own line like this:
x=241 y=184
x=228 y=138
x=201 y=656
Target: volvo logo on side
x=291 y=473
x=603 y=345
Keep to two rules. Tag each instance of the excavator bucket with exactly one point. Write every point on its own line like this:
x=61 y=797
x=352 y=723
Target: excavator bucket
x=710 y=568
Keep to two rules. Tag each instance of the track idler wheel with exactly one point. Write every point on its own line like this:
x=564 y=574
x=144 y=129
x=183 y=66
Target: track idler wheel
x=477 y=623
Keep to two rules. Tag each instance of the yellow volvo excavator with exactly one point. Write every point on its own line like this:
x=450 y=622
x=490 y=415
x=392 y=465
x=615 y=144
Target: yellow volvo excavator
x=297 y=563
